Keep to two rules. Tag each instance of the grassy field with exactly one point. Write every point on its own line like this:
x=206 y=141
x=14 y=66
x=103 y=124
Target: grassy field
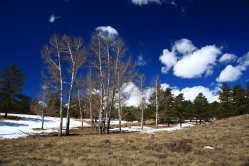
x=228 y=137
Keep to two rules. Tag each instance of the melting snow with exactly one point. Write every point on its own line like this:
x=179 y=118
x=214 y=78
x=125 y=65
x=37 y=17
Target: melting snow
x=17 y=128
x=10 y=129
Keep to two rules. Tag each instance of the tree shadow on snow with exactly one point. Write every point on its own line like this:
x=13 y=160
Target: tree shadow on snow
x=36 y=120
x=10 y=124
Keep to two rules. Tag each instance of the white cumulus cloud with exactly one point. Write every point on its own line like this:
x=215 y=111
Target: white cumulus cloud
x=191 y=93
x=188 y=61
x=226 y=58
x=243 y=62
x=169 y=59
x=197 y=63
x=229 y=74
x=107 y=31
x=184 y=46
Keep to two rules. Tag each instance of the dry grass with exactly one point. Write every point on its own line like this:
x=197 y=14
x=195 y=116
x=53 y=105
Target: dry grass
x=9 y=117
x=229 y=138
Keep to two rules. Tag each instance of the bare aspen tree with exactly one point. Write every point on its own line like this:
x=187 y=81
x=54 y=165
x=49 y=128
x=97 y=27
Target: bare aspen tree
x=89 y=84
x=157 y=96
x=99 y=62
x=141 y=79
x=115 y=72
x=119 y=72
x=107 y=59
x=43 y=95
x=125 y=74
x=52 y=56
x=76 y=56
x=79 y=88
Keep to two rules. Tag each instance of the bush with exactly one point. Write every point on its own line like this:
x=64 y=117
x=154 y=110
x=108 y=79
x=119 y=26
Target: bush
x=180 y=145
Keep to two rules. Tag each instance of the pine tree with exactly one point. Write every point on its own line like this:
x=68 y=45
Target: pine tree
x=167 y=105
x=201 y=107
x=177 y=110
x=238 y=102
x=53 y=105
x=21 y=105
x=247 y=99
x=213 y=110
x=225 y=97
x=11 y=81
x=35 y=107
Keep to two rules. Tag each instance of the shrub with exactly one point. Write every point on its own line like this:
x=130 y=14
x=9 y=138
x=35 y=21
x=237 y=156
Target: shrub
x=180 y=145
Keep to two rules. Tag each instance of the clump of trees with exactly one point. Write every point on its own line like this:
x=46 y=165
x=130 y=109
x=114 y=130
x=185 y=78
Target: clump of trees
x=11 y=97
x=100 y=91
x=233 y=102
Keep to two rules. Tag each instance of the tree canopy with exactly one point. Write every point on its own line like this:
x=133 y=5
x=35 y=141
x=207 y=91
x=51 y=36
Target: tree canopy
x=11 y=81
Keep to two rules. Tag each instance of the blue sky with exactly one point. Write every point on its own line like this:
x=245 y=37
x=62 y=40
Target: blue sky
x=193 y=45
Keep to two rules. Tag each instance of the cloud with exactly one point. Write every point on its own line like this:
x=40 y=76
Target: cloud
x=188 y=61
x=165 y=86
x=133 y=94
x=53 y=18
x=243 y=62
x=141 y=61
x=108 y=31
x=145 y=2
x=184 y=46
x=226 y=58
x=169 y=59
x=229 y=74
x=172 y=2
x=159 y=2
x=197 y=63
x=191 y=93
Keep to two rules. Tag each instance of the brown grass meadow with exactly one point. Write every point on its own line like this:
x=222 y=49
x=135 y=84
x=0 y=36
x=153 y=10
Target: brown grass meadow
x=229 y=138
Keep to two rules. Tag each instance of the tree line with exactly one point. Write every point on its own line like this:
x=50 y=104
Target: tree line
x=93 y=81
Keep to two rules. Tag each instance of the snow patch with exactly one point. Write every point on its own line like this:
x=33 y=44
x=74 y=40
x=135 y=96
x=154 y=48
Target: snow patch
x=10 y=129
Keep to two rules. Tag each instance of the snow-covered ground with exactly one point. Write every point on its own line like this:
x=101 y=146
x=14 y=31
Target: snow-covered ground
x=10 y=129
x=17 y=128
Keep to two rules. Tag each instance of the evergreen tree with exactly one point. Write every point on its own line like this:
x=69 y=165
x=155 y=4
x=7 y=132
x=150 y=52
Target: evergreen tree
x=239 y=100
x=225 y=97
x=188 y=109
x=167 y=105
x=246 y=110
x=53 y=105
x=22 y=105
x=35 y=107
x=213 y=110
x=177 y=110
x=11 y=81
x=201 y=107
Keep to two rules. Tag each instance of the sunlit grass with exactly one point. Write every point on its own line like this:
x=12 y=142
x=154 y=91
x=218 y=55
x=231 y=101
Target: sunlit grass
x=229 y=138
